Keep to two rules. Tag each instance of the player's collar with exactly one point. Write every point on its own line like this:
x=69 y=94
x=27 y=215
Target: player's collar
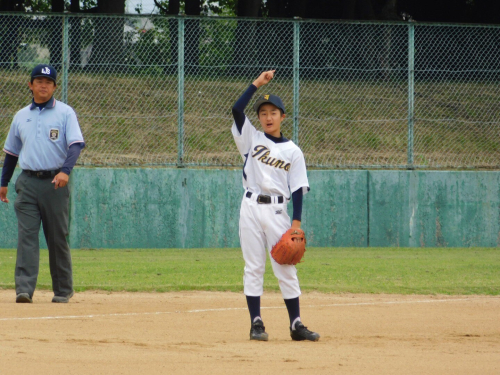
x=51 y=103
x=280 y=139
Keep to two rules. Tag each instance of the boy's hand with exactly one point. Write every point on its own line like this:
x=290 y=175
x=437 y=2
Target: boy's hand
x=264 y=78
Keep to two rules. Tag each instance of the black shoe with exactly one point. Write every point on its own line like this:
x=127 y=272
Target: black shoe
x=258 y=331
x=23 y=298
x=301 y=333
x=62 y=299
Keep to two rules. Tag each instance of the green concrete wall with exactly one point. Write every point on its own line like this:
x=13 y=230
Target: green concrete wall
x=415 y=208
x=188 y=208
x=335 y=210
x=155 y=208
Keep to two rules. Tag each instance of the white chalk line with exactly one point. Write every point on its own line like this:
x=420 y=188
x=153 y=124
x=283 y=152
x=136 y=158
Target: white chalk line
x=91 y=316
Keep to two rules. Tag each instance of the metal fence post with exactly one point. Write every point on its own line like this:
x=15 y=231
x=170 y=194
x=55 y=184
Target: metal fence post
x=296 y=76
x=180 y=92
x=411 y=91
x=65 y=61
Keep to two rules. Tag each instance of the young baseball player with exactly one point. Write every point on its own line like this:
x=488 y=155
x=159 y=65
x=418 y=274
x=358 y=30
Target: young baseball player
x=273 y=167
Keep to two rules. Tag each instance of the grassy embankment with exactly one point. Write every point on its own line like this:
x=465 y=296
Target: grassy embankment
x=132 y=120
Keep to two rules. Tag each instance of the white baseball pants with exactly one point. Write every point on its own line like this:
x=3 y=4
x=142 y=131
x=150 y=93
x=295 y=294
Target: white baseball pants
x=261 y=227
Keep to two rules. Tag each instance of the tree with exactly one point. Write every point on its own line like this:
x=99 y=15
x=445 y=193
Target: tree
x=485 y=11
x=248 y=8
x=52 y=27
x=287 y=8
x=56 y=32
x=9 y=26
x=358 y=9
x=245 y=38
x=107 y=47
x=192 y=31
x=171 y=8
x=192 y=37
x=75 y=36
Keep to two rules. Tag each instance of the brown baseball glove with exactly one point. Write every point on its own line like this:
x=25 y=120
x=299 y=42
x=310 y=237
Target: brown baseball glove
x=290 y=248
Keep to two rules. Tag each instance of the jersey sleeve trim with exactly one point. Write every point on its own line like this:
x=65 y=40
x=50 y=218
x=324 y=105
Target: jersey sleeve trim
x=10 y=153
x=72 y=143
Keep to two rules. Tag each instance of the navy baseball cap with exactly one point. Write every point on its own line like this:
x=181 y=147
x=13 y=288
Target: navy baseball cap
x=271 y=99
x=44 y=70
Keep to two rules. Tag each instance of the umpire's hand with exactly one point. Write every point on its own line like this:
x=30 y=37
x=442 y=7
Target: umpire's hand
x=60 y=180
x=3 y=194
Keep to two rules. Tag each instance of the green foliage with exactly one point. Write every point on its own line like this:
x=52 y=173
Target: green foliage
x=208 y=7
x=150 y=46
x=45 y=6
x=211 y=53
x=37 y=5
x=329 y=270
x=27 y=53
x=86 y=4
x=220 y=7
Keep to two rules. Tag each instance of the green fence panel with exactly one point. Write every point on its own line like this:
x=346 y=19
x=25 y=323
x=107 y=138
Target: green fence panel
x=155 y=208
x=335 y=210
x=192 y=208
x=428 y=209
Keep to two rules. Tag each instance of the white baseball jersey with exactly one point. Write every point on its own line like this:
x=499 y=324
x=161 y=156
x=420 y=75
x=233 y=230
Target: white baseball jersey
x=270 y=168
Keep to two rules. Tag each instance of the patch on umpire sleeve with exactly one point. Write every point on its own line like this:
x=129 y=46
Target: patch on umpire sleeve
x=54 y=134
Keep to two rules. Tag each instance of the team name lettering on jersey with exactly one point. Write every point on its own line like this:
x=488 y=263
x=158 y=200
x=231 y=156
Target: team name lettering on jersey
x=264 y=158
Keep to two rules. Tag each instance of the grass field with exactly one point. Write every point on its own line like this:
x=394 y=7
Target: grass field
x=329 y=270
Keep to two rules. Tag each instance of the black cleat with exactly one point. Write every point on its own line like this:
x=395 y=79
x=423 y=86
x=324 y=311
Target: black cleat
x=23 y=298
x=258 y=331
x=301 y=333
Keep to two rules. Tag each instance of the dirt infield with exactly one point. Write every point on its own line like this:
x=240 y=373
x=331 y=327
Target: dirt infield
x=207 y=333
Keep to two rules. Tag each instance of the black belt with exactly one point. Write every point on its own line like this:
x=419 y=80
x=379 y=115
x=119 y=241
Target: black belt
x=42 y=174
x=265 y=199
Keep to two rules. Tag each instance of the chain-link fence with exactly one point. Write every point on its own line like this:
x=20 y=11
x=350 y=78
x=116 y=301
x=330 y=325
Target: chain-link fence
x=159 y=90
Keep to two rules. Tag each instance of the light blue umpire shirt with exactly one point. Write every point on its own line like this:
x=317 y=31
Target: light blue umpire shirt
x=41 y=138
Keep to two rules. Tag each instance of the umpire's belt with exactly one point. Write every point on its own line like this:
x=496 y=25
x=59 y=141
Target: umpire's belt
x=41 y=174
x=266 y=199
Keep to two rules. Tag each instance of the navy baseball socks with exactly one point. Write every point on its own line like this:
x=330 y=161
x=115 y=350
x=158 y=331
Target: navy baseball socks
x=298 y=332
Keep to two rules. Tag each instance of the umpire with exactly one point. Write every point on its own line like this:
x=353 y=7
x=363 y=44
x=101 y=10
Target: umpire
x=46 y=139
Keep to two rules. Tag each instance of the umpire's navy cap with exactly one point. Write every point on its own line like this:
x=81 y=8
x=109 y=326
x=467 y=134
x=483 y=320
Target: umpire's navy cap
x=44 y=70
x=271 y=99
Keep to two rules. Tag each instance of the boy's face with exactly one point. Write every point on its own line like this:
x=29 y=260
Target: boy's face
x=270 y=118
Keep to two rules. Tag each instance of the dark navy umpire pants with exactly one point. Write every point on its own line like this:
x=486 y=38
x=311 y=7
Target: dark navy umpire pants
x=38 y=202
